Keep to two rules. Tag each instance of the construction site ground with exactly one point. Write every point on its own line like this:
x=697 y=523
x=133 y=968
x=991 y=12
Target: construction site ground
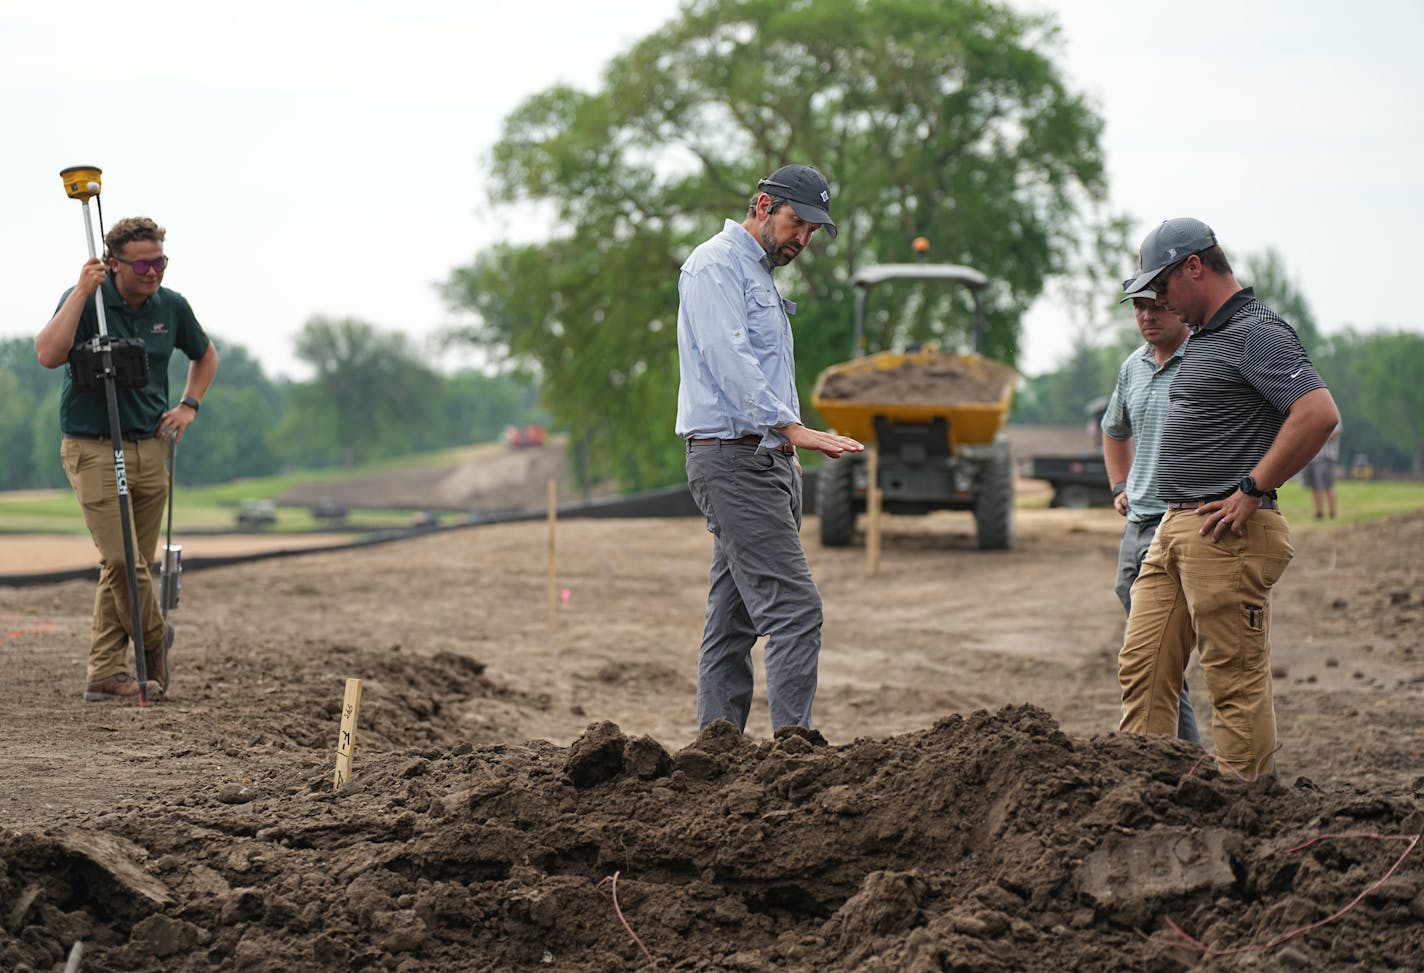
x=531 y=791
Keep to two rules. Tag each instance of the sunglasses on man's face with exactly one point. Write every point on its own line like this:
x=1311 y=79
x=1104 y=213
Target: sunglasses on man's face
x=1158 y=284
x=142 y=267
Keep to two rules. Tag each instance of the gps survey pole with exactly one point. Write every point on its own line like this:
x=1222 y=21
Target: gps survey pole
x=82 y=182
x=170 y=574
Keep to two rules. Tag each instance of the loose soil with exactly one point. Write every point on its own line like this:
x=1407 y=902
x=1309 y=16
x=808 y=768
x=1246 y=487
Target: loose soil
x=929 y=380
x=531 y=792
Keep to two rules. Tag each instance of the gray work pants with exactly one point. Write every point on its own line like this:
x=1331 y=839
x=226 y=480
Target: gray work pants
x=760 y=585
x=1136 y=539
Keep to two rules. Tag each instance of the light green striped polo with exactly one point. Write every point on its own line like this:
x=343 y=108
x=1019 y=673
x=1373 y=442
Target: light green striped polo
x=1137 y=411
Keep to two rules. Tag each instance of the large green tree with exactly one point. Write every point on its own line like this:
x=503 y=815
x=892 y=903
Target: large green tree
x=947 y=119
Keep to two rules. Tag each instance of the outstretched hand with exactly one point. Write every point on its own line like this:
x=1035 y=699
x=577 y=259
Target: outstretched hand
x=825 y=442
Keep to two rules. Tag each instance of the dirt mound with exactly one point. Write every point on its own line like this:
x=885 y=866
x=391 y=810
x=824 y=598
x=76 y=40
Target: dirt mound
x=987 y=842
x=945 y=825
x=928 y=380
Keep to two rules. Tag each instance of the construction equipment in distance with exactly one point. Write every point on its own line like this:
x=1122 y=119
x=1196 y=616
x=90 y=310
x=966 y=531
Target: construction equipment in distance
x=940 y=445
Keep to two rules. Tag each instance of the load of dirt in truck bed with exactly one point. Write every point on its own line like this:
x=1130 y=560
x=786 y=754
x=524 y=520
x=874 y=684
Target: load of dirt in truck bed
x=922 y=380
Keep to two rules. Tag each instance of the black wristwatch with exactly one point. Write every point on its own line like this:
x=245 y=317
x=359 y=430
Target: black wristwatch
x=190 y=402
x=1248 y=487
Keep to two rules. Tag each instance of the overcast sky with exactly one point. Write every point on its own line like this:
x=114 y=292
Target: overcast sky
x=324 y=157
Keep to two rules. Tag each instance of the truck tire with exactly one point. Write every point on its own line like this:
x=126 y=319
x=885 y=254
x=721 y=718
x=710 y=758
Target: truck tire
x=835 y=500
x=994 y=506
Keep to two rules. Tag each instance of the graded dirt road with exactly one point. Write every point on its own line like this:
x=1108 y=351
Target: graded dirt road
x=964 y=804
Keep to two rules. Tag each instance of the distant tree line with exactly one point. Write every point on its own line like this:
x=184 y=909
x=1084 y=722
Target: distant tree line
x=371 y=396
x=1376 y=378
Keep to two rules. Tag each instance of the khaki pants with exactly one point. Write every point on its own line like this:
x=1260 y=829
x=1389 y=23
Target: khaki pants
x=1214 y=597
x=89 y=464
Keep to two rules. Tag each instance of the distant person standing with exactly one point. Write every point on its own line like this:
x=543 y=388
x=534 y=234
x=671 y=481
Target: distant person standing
x=1132 y=427
x=739 y=412
x=1248 y=411
x=136 y=305
x=1319 y=475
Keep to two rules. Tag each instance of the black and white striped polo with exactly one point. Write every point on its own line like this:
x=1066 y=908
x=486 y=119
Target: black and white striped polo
x=1241 y=374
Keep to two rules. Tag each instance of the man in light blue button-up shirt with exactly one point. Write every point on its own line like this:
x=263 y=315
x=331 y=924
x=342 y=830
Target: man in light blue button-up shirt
x=738 y=410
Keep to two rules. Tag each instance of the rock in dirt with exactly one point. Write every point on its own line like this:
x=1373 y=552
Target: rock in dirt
x=1129 y=875
x=118 y=859
x=235 y=794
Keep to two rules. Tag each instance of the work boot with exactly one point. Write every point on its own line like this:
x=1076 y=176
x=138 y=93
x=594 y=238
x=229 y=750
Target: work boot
x=155 y=660
x=121 y=685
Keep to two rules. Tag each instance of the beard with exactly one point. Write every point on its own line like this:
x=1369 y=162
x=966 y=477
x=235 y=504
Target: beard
x=777 y=251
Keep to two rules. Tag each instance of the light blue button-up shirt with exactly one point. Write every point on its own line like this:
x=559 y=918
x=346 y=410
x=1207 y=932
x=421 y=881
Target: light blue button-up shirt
x=734 y=349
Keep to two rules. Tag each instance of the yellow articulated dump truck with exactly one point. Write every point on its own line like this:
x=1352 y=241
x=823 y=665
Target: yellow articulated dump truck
x=934 y=419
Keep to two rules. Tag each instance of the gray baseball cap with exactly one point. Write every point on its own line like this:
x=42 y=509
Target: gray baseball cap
x=1132 y=295
x=1167 y=245
x=806 y=190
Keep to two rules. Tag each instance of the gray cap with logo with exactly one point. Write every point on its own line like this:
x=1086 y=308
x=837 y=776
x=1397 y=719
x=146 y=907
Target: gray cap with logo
x=1167 y=245
x=807 y=192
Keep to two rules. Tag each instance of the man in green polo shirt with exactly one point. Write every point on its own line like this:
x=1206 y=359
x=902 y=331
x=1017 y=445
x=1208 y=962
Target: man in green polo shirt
x=136 y=305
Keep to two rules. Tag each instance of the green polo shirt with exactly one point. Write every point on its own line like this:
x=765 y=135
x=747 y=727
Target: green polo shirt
x=165 y=322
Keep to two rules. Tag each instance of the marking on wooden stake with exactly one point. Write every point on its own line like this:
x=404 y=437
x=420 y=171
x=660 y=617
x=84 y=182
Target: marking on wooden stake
x=346 y=742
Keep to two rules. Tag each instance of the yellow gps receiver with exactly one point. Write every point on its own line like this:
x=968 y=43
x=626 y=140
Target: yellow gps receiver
x=81 y=182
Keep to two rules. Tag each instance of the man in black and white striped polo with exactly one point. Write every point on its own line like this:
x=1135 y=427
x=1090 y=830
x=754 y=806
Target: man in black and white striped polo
x=1248 y=411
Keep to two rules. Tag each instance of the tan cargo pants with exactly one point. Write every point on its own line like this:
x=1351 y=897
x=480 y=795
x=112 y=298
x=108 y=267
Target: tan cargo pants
x=89 y=464
x=1212 y=596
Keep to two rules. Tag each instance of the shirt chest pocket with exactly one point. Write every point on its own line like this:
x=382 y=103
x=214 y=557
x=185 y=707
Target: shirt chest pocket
x=766 y=322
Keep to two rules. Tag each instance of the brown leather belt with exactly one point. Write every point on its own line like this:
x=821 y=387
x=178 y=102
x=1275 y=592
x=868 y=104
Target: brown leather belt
x=751 y=439
x=131 y=437
x=1267 y=503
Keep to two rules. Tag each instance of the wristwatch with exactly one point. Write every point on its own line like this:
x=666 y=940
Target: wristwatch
x=190 y=402
x=1248 y=487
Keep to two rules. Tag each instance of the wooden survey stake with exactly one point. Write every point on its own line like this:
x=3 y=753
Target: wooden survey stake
x=346 y=742
x=553 y=493
x=872 y=509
